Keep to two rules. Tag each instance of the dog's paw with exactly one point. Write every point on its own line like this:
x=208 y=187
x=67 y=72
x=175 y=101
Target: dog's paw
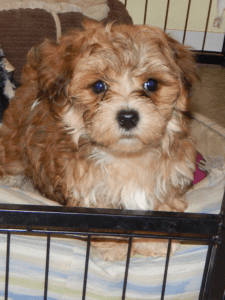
x=110 y=250
x=115 y=253
x=154 y=247
x=176 y=205
x=143 y=246
x=179 y=204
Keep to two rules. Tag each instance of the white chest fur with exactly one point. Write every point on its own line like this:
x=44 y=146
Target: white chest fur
x=124 y=182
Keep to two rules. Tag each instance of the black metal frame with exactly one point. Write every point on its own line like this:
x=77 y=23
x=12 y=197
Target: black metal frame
x=48 y=220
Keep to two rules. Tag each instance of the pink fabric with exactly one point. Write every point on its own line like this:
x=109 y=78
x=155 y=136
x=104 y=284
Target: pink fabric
x=199 y=174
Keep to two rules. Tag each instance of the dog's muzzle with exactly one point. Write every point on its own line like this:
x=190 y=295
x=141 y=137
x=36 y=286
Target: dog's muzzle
x=128 y=119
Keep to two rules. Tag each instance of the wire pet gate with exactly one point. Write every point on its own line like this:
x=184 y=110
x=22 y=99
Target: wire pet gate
x=203 y=228
x=207 y=57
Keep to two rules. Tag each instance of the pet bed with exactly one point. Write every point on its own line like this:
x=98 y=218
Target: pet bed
x=105 y=279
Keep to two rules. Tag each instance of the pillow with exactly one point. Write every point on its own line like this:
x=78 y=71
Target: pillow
x=20 y=30
x=27 y=23
x=199 y=174
x=117 y=13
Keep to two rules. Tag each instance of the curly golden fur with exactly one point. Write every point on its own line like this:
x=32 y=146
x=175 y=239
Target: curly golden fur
x=119 y=144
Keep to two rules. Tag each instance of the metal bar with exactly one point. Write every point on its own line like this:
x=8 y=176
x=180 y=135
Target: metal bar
x=209 y=57
x=127 y=268
x=210 y=274
x=47 y=267
x=125 y=3
x=7 y=266
x=167 y=12
x=216 y=282
x=223 y=51
x=222 y=210
x=166 y=269
x=145 y=14
x=86 y=267
x=77 y=234
x=186 y=22
x=223 y=47
x=77 y=219
x=205 y=272
x=206 y=26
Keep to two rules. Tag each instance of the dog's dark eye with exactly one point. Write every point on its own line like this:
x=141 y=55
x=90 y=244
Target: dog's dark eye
x=150 y=85
x=99 y=87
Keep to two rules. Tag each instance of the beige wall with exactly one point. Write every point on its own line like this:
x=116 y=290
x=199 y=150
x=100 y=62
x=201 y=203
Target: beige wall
x=177 y=14
x=156 y=13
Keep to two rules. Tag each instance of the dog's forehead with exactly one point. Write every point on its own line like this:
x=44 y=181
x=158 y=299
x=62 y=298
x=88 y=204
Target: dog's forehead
x=137 y=35
x=137 y=48
x=129 y=41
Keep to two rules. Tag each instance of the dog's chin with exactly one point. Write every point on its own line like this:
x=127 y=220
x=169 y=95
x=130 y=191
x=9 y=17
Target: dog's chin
x=128 y=146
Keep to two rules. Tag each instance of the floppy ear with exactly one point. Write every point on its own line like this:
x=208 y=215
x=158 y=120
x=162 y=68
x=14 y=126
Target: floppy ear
x=54 y=69
x=186 y=63
x=56 y=61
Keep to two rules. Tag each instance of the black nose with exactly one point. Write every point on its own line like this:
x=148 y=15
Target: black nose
x=128 y=119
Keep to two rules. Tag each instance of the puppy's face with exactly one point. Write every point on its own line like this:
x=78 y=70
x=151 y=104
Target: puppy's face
x=122 y=84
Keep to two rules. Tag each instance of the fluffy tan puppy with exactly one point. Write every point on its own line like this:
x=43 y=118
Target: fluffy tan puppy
x=99 y=120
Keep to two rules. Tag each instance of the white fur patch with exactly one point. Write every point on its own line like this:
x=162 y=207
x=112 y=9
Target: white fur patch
x=74 y=124
x=9 y=90
x=36 y=102
x=135 y=198
x=118 y=192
